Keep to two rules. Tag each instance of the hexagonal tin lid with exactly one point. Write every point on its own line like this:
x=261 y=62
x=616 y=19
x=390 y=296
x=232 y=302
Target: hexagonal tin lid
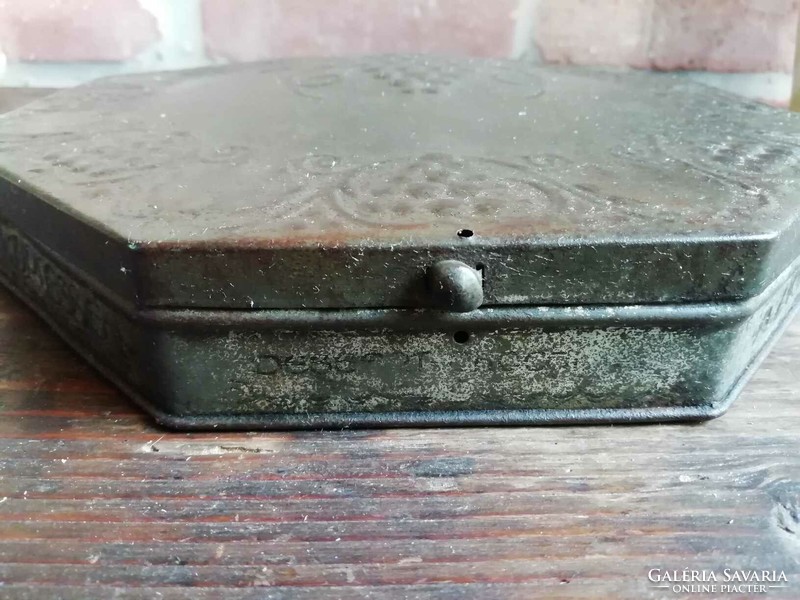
x=336 y=183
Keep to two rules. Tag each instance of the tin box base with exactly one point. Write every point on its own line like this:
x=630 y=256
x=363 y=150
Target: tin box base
x=236 y=369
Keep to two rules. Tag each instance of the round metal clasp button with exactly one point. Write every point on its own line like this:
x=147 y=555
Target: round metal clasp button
x=455 y=286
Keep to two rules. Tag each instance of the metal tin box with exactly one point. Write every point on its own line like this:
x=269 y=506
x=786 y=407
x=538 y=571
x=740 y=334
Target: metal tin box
x=406 y=240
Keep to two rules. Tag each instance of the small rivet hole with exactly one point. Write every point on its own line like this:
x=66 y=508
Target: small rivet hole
x=465 y=233
x=461 y=337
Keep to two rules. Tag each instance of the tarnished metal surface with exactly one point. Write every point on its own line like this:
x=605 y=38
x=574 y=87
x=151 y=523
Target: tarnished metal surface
x=337 y=183
x=400 y=241
x=306 y=368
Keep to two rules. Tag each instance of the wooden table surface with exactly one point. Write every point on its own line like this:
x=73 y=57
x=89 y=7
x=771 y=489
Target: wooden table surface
x=97 y=502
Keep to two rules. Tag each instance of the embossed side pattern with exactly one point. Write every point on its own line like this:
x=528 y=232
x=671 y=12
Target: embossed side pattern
x=75 y=308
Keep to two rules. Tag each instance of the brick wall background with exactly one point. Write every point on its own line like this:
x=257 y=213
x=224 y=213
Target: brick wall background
x=747 y=46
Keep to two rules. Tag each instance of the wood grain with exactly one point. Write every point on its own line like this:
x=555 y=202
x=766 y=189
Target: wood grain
x=97 y=502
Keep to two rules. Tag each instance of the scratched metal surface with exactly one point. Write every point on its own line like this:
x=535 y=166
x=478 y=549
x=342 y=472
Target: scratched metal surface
x=335 y=183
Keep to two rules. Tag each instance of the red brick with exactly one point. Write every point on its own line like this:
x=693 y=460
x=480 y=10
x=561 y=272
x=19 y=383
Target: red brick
x=718 y=35
x=253 y=29
x=724 y=35
x=74 y=30
x=795 y=100
x=593 y=32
